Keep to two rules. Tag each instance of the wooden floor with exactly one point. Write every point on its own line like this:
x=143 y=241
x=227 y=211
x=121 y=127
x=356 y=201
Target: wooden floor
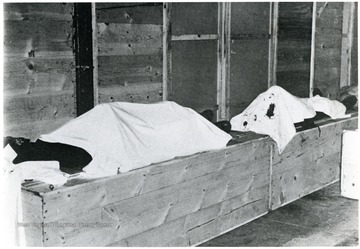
x=323 y=218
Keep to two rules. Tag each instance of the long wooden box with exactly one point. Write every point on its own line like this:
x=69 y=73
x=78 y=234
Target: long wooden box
x=188 y=200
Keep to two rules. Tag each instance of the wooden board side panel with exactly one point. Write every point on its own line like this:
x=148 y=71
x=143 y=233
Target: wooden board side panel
x=176 y=196
x=32 y=222
x=309 y=162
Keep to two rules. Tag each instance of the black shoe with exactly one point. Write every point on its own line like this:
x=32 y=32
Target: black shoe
x=224 y=125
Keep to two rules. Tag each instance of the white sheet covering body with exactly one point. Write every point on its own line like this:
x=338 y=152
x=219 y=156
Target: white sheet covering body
x=123 y=136
x=287 y=110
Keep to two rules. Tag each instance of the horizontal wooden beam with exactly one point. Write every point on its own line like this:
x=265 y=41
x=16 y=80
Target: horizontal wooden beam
x=194 y=37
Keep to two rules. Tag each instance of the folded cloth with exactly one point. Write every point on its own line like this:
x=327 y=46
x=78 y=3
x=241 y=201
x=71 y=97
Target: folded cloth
x=275 y=111
x=123 y=136
x=44 y=171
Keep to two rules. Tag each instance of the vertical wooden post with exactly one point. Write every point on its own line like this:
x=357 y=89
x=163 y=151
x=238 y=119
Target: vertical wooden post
x=223 y=63
x=167 y=55
x=83 y=57
x=312 y=53
x=273 y=30
x=95 y=54
x=347 y=37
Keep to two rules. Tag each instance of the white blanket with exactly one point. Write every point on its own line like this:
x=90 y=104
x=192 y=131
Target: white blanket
x=124 y=136
x=288 y=109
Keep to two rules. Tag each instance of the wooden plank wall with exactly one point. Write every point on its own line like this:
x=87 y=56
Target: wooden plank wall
x=194 y=59
x=328 y=39
x=249 y=53
x=129 y=52
x=294 y=47
x=39 y=72
x=181 y=202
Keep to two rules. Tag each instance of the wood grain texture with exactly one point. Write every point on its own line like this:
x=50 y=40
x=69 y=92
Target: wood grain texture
x=354 y=51
x=194 y=79
x=188 y=200
x=136 y=93
x=37 y=38
x=182 y=196
x=38 y=11
x=130 y=13
x=294 y=47
x=310 y=161
x=194 y=18
x=31 y=115
x=32 y=218
x=249 y=53
x=248 y=72
x=250 y=18
x=127 y=69
x=129 y=39
x=38 y=67
x=328 y=40
x=38 y=75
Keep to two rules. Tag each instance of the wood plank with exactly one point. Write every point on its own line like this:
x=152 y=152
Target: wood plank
x=167 y=54
x=39 y=114
x=312 y=50
x=328 y=49
x=32 y=218
x=182 y=227
x=38 y=11
x=250 y=18
x=129 y=39
x=273 y=44
x=33 y=130
x=347 y=42
x=310 y=161
x=127 y=69
x=131 y=217
x=223 y=62
x=169 y=234
x=191 y=37
x=227 y=222
x=136 y=93
x=325 y=41
x=194 y=18
x=248 y=73
x=354 y=49
x=38 y=75
x=130 y=13
x=35 y=38
x=95 y=50
x=137 y=183
x=194 y=74
x=22 y=103
x=314 y=176
x=294 y=45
